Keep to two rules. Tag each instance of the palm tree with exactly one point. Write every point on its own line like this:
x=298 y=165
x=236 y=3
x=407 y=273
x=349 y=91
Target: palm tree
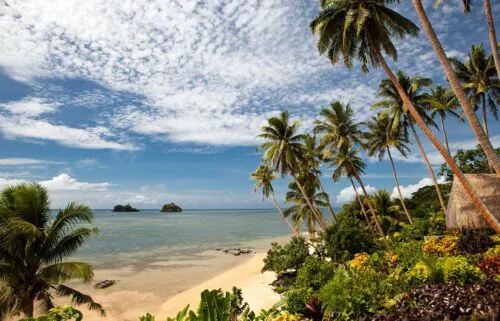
x=300 y=210
x=442 y=102
x=491 y=28
x=394 y=107
x=382 y=137
x=264 y=177
x=347 y=163
x=312 y=160
x=468 y=109
x=480 y=81
x=33 y=249
x=284 y=150
x=384 y=206
x=362 y=30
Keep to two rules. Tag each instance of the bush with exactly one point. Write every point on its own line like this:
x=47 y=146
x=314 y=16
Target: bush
x=296 y=299
x=442 y=246
x=314 y=273
x=457 y=269
x=289 y=257
x=346 y=238
x=490 y=265
x=475 y=241
x=434 y=224
x=60 y=313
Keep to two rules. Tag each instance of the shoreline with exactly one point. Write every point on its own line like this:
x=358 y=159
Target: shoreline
x=162 y=288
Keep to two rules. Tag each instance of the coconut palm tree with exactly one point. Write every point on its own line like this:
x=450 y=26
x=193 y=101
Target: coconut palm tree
x=34 y=248
x=491 y=28
x=381 y=138
x=467 y=107
x=284 y=150
x=312 y=160
x=300 y=211
x=393 y=107
x=264 y=177
x=347 y=163
x=442 y=102
x=480 y=81
x=384 y=206
x=362 y=30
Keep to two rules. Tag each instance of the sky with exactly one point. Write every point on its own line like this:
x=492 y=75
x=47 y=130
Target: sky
x=148 y=102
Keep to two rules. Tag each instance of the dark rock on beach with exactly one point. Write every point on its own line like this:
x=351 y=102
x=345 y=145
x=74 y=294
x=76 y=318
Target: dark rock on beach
x=104 y=284
x=236 y=251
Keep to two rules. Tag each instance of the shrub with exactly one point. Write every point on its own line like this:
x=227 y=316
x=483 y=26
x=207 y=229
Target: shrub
x=314 y=273
x=296 y=299
x=291 y=256
x=434 y=224
x=359 y=260
x=442 y=246
x=346 y=238
x=475 y=241
x=456 y=269
x=60 y=313
x=409 y=253
x=490 y=265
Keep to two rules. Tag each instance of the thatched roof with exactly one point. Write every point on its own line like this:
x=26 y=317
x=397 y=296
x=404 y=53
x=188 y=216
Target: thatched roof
x=462 y=213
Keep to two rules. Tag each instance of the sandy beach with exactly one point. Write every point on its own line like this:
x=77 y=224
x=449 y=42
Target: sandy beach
x=163 y=288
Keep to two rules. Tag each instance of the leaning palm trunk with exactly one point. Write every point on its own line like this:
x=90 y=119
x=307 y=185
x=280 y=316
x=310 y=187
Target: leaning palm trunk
x=313 y=209
x=485 y=212
x=428 y=164
x=294 y=232
x=327 y=200
x=377 y=223
x=485 y=119
x=362 y=207
x=459 y=92
x=401 y=198
x=445 y=137
x=493 y=37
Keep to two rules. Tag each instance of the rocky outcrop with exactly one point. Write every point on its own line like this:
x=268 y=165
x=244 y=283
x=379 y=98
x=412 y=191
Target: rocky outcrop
x=171 y=207
x=236 y=251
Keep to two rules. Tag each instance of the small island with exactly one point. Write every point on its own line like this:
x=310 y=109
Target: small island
x=172 y=207
x=124 y=208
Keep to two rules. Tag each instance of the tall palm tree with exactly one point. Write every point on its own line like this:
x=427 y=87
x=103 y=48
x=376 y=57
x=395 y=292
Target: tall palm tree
x=384 y=206
x=491 y=27
x=468 y=109
x=34 y=249
x=300 y=211
x=362 y=30
x=393 y=107
x=442 y=102
x=264 y=177
x=347 y=163
x=381 y=138
x=312 y=160
x=480 y=81
x=284 y=150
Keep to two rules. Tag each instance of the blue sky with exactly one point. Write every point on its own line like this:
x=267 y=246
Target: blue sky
x=146 y=102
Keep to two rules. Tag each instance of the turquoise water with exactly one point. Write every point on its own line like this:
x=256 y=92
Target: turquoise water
x=147 y=236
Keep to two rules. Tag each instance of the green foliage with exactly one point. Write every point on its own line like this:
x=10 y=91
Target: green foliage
x=150 y=317
x=471 y=161
x=124 y=208
x=291 y=256
x=181 y=315
x=346 y=238
x=456 y=269
x=425 y=200
x=314 y=273
x=296 y=299
x=61 y=313
x=434 y=224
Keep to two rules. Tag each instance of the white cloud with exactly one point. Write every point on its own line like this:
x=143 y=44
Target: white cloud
x=31 y=106
x=26 y=161
x=64 y=182
x=407 y=190
x=347 y=194
x=89 y=163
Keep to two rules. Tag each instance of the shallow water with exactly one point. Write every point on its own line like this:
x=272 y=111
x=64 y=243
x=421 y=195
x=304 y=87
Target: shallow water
x=149 y=236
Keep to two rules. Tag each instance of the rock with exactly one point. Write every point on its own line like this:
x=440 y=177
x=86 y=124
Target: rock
x=237 y=251
x=104 y=284
x=124 y=208
x=171 y=207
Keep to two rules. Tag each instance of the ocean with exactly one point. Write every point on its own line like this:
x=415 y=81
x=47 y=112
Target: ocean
x=148 y=236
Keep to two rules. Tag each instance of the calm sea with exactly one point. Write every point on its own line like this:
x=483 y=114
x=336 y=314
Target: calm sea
x=147 y=236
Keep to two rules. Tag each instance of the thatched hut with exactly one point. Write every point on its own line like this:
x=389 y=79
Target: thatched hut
x=461 y=212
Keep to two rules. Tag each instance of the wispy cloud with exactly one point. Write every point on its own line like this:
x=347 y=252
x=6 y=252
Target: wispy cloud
x=27 y=161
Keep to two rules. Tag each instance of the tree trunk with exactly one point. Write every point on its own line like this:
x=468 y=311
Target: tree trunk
x=444 y=133
x=377 y=223
x=294 y=232
x=429 y=167
x=313 y=209
x=485 y=212
x=362 y=207
x=485 y=119
x=328 y=200
x=397 y=186
x=493 y=37
x=28 y=308
x=455 y=85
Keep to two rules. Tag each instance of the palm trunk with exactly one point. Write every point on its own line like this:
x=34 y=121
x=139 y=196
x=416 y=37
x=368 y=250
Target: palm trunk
x=377 y=223
x=493 y=37
x=444 y=133
x=397 y=186
x=485 y=120
x=294 y=232
x=313 y=209
x=327 y=200
x=428 y=164
x=362 y=207
x=485 y=212
x=28 y=309
x=455 y=85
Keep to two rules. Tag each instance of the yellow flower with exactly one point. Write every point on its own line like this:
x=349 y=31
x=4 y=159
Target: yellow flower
x=359 y=260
